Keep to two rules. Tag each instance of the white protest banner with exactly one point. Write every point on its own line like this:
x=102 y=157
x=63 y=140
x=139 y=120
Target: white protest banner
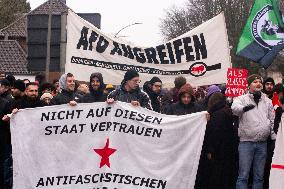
x=276 y=180
x=201 y=55
x=105 y=147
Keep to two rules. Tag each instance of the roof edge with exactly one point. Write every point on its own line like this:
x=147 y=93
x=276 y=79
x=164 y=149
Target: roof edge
x=24 y=15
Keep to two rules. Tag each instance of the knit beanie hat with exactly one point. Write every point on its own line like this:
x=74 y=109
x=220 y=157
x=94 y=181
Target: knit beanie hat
x=253 y=77
x=130 y=74
x=269 y=79
x=11 y=79
x=212 y=89
x=19 y=84
x=5 y=82
x=154 y=80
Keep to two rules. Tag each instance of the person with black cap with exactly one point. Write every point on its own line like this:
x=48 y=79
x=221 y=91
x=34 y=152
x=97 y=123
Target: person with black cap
x=256 y=121
x=18 y=89
x=96 y=88
x=130 y=92
x=268 y=86
x=29 y=100
x=153 y=89
x=5 y=90
x=11 y=79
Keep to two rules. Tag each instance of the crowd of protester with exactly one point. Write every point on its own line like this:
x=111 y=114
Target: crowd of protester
x=240 y=133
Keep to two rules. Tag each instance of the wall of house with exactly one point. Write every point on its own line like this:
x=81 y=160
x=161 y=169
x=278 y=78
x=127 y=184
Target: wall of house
x=52 y=76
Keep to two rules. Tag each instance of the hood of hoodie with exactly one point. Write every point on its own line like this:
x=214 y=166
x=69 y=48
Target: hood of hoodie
x=148 y=90
x=186 y=89
x=102 y=85
x=62 y=82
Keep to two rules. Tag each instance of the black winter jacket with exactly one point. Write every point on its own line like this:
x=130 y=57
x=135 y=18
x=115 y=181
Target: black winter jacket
x=24 y=102
x=154 y=97
x=4 y=136
x=7 y=96
x=94 y=96
x=222 y=137
x=4 y=126
x=135 y=95
x=65 y=97
x=221 y=142
x=182 y=109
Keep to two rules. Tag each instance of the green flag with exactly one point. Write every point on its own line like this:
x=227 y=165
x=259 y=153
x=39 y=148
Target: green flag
x=263 y=35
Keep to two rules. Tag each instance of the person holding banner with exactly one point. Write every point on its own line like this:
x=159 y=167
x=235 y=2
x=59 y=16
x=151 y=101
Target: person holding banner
x=256 y=121
x=186 y=105
x=130 y=92
x=67 y=91
x=96 y=87
x=29 y=100
x=186 y=102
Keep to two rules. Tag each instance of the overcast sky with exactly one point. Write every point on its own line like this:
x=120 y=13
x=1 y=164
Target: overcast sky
x=115 y=14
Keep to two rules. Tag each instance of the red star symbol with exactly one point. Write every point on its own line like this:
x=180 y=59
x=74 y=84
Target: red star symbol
x=105 y=153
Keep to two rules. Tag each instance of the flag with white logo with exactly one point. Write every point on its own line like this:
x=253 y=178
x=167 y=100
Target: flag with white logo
x=263 y=36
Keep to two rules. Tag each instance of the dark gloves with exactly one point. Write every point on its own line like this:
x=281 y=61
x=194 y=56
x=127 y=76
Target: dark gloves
x=277 y=120
x=248 y=107
x=278 y=111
